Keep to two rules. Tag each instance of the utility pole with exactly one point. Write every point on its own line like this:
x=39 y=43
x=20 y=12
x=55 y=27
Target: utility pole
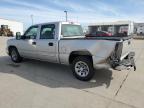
x=31 y=18
x=66 y=15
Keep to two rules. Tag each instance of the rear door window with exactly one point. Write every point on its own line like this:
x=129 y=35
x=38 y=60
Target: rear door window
x=47 y=31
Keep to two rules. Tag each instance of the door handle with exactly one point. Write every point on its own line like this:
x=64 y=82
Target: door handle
x=50 y=44
x=33 y=43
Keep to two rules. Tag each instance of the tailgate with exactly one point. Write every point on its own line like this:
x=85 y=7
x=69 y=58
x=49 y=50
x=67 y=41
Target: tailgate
x=123 y=56
x=123 y=45
x=126 y=48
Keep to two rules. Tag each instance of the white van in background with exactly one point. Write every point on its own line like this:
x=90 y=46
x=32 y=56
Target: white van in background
x=140 y=30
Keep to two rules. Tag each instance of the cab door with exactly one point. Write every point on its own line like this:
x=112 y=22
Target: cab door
x=47 y=46
x=27 y=45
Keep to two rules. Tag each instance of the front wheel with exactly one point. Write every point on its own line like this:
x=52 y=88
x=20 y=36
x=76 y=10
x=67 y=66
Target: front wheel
x=82 y=68
x=15 y=57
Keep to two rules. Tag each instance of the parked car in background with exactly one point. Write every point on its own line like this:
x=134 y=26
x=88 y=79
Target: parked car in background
x=99 y=34
x=65 y=43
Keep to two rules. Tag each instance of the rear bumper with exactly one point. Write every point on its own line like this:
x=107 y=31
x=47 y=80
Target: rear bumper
x=125 y=63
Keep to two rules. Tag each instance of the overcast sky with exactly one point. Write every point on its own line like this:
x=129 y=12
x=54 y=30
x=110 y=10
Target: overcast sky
x=83 y=11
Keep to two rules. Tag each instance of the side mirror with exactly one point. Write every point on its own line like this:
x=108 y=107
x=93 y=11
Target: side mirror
x=18 y=35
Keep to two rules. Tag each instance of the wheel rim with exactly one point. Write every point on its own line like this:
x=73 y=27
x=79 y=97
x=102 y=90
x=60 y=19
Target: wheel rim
x=14 y=55
x=81 y=69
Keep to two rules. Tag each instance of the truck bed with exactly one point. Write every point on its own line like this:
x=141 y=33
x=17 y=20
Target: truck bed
x=122 y=45
x=114 y=38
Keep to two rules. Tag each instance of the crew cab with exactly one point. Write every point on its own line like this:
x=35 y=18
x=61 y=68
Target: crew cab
x=65 y=43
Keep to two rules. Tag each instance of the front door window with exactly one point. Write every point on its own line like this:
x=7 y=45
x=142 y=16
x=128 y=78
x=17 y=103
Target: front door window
x=31 y=33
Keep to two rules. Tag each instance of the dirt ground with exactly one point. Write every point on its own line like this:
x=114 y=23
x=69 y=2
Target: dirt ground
x=35 y=84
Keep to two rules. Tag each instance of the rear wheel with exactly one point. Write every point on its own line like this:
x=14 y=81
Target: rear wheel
x=15 y=57
x=82 y=68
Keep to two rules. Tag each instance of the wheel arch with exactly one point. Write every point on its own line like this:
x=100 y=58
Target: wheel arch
x=75 y=54
x=10 y=47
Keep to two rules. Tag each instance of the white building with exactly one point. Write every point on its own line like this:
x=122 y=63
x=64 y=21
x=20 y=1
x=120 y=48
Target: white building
x=14 y=26
x=114 y=27
x=139 y=28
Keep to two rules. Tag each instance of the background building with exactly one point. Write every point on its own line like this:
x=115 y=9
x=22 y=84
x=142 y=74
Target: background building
x=8 y=27
x=139 y=28
x=119 y=28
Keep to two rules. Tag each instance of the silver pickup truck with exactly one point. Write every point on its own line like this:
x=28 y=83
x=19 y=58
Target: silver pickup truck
x=65 y=43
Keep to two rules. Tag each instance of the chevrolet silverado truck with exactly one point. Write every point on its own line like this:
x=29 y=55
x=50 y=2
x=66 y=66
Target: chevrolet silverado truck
x=65 y=43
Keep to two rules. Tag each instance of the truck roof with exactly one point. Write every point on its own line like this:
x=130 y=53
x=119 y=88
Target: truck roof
x=57 y=22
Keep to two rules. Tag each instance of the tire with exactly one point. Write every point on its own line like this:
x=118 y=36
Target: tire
x=82 y=68
x=14 y=54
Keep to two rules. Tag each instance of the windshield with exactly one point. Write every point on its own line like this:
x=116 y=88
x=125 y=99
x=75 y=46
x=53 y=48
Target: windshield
x=69 y=30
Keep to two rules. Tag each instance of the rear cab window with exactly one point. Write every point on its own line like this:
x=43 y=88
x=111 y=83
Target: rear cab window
x=71 y=30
